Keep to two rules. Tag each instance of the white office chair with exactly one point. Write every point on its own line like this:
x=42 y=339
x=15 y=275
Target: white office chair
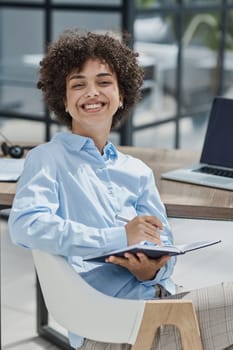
x=81 y=309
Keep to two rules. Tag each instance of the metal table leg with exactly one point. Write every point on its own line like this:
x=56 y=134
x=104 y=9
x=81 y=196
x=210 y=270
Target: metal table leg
x=43 y=329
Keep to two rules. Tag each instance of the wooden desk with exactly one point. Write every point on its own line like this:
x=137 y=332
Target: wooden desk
x=180 y=199
x=7 y=192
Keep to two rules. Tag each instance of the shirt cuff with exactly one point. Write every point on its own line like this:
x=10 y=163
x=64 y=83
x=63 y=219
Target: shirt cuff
x=157 y=278
x=115 y=238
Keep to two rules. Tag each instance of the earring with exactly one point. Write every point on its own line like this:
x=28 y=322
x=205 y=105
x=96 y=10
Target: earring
x=121 y=105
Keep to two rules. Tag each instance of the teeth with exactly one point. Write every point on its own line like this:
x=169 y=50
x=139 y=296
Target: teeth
x=93 y=106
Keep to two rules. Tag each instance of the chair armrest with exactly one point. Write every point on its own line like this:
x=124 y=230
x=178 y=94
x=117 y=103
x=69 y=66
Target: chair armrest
x=80 y=308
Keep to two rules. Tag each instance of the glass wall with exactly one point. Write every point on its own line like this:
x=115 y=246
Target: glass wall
x=19 y=60
x=185 y=47
x=189 y=44
x=70 y=19
x=25 y=30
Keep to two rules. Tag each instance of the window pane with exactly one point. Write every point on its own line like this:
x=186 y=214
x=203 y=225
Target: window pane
x=28 y=1
x=193 y=130
x=201 y=42
x=19 y=59
x=228 y=62
x=203 y=2
x=155 y=42
x=147 y=4
x=15 y=36
x=157 y=137
x=89 y=2
x=21 y=99
x=86 y=21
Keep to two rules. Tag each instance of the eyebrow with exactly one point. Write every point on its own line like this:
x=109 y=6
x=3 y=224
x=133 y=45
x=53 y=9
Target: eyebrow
x=80 y=76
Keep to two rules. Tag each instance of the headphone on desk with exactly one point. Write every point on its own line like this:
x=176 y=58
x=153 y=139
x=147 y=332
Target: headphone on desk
x=14 y=151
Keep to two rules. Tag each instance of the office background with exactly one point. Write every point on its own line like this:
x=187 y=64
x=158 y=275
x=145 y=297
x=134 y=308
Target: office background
x=185 y=47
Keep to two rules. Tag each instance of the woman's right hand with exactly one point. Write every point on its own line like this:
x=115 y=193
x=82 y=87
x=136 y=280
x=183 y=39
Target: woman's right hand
x=143 y=228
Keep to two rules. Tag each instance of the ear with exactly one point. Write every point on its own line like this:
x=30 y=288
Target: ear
x=66 y=108
x=121 y=101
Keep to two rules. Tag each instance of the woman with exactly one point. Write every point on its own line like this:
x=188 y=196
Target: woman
x=75 y=187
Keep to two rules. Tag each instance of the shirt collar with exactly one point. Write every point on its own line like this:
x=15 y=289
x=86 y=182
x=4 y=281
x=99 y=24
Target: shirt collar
x=110 y=152
x=79 y=142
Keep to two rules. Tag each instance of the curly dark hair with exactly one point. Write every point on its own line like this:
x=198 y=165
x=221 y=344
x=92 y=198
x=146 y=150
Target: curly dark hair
x=72 y=49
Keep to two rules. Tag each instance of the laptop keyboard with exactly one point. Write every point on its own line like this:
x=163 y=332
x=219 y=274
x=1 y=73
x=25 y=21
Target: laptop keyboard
x=215 y=171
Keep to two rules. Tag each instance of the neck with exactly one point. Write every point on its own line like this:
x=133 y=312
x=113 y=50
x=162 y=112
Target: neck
x=100 y=142
x=100 y=137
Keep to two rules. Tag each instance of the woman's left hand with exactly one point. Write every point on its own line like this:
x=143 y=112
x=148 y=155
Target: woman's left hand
x=140 y=265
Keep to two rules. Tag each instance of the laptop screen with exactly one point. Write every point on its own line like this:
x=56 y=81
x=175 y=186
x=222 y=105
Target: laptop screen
x=218 y=145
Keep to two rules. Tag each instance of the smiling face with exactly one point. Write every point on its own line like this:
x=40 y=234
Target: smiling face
x=92 y=97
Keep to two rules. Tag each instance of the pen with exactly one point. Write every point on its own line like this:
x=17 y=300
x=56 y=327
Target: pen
x=122 y=218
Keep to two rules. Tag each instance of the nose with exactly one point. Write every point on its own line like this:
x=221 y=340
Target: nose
x=92 y=91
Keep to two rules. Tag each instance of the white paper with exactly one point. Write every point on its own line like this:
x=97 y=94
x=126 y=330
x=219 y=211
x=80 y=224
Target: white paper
x=10 y=169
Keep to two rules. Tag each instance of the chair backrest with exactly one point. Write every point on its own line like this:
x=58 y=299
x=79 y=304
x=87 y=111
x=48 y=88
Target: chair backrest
x=80 y=308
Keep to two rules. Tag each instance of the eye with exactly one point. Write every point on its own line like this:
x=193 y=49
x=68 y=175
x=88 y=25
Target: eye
x=78 y=86
x=105 y=83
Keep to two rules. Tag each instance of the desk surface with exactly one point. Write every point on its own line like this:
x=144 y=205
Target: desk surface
x=183 y=199
x=180 y=199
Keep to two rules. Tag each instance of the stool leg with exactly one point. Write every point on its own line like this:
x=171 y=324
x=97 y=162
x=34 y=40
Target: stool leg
x=180 y=313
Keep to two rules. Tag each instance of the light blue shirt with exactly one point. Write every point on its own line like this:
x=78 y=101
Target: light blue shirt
x=66 y=203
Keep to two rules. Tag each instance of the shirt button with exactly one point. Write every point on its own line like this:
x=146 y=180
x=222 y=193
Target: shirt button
x=110 y=190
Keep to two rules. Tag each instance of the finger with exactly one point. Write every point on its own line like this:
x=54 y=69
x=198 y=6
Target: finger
x=152 y=233
x=153 y=220
x=146 y=219
x=142 y=257
x=150 y=227
x=131 y=257
x=117 y=260
x=150 y=230
x=163 y=260
x=153 y=236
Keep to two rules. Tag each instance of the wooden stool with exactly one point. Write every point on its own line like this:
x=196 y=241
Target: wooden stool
x=180 y=313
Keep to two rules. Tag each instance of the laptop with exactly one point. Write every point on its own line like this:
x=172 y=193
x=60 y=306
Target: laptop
x=216 y=163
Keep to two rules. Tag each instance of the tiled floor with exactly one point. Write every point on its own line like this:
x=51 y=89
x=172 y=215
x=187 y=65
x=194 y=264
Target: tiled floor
x=18 y=280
